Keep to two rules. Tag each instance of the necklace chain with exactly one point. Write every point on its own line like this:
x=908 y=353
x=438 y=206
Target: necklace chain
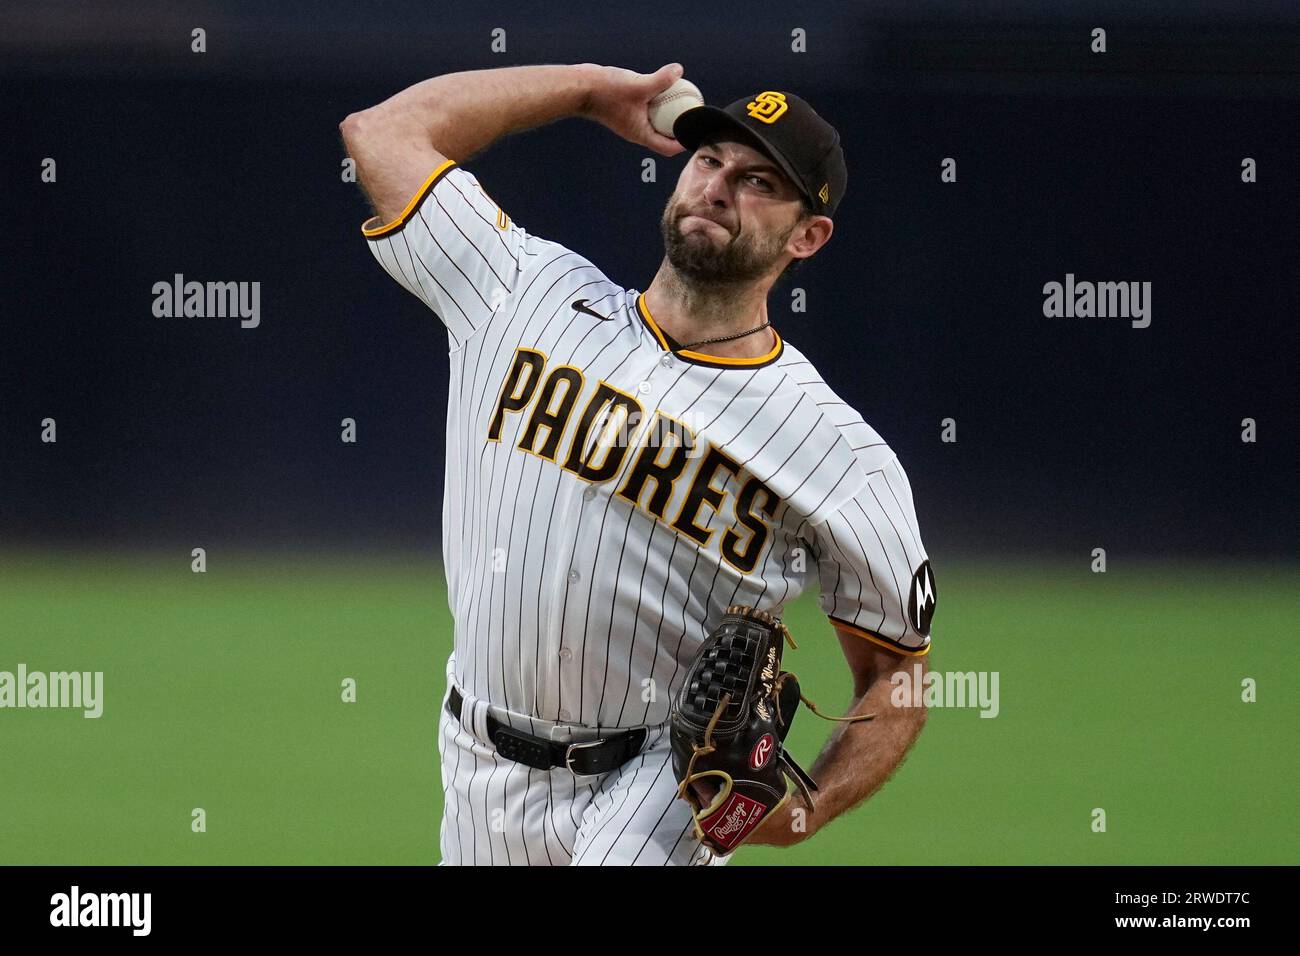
x=726 y=338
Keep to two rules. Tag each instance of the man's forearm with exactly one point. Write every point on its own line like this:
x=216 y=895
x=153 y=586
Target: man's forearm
x=461 y=114
x=397 y=144
x=861 y=756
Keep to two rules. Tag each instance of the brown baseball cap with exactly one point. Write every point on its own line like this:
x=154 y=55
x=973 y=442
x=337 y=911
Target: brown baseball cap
x=783 y=125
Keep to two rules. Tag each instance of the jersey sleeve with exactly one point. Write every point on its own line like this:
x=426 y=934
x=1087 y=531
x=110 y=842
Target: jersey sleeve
x=873 y=569
x=455 y=250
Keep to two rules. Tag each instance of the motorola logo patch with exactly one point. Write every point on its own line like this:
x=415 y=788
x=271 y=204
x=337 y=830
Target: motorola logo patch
x=921 y=599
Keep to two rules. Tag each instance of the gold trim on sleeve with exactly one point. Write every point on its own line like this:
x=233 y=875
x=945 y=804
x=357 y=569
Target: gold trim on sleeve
x=877 y=639
x=378 y=232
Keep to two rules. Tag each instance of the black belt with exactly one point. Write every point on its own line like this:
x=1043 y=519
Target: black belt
x=593 y=757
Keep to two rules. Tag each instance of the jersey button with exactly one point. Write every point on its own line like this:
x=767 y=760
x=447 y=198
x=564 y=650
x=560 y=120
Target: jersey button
x=574 y=575
x=643 y=388
x=565 y=654
x=589 y=493
x=666 y=361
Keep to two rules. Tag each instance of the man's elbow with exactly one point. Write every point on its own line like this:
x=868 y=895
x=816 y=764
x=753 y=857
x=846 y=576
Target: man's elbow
x=381 y=131
x=353 y=124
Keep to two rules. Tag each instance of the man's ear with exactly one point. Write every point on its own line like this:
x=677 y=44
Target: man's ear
x=809 y=235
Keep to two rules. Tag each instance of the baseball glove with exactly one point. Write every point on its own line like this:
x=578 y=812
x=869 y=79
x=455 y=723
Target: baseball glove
x=728 y=728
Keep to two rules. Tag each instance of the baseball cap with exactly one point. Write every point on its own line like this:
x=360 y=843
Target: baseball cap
x=805 y=146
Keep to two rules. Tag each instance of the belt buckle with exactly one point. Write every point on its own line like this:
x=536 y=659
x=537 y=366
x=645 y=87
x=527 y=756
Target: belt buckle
x=568 y=756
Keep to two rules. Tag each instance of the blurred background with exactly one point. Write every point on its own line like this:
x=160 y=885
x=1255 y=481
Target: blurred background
x=1120 y=690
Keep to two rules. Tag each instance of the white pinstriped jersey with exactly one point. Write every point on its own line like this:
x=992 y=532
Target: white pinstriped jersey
x=606 y=498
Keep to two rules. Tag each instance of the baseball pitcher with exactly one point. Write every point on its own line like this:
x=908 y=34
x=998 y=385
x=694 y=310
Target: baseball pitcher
x=638 y=481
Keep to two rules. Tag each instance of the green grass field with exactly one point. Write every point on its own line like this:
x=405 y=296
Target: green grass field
x=222 y=691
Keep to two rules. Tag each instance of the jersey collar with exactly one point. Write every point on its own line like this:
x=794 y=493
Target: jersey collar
x=702 y=358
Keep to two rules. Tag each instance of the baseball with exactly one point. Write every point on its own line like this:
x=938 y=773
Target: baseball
x=672 y=103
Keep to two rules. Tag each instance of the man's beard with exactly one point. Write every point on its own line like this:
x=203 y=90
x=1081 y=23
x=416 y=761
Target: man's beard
x=699 y=257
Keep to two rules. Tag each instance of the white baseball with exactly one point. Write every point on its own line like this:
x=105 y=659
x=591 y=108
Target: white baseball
x=683 y=95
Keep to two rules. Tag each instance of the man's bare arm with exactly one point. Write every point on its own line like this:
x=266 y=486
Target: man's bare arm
x=399 y=142
x=860 y=756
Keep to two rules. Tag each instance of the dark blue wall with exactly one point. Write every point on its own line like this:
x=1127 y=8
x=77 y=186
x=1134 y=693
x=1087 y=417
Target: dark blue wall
x=1072 y=433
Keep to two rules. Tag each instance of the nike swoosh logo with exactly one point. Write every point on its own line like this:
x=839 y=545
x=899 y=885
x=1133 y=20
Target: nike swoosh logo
x=581 y=306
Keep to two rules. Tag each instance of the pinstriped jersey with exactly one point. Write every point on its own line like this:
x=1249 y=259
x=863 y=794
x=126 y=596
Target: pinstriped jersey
x=608 y=494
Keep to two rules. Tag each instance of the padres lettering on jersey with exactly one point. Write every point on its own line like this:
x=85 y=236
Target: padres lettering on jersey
x=660 y=459
x=606 y=499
